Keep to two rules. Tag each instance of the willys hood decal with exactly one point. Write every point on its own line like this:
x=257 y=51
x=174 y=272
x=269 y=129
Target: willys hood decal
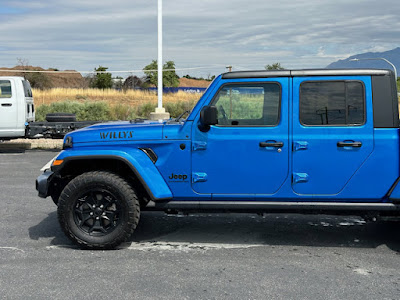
x=118 y=131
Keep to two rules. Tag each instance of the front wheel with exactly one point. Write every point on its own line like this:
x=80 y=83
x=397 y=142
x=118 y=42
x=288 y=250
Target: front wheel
x=98 y=210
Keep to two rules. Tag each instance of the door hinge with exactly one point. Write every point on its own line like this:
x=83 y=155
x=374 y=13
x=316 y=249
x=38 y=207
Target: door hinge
x=199 y=177
x=300 y=145
x=300 y=177
x=199 y=146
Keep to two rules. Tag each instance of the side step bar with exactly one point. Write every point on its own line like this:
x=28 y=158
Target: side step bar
x=273 y=206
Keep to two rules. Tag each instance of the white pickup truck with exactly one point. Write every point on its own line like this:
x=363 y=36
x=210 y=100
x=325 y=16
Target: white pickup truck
x=16 y=106
x=17 y=113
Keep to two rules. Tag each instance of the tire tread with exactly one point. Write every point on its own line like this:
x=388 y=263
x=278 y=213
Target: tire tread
x=125 y=188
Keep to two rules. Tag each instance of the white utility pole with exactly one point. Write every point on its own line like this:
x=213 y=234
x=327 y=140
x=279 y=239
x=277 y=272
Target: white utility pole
x=160 y=113
x=160 y=61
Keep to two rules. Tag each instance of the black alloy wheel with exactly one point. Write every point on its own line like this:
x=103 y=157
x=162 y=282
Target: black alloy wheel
x=98 y=210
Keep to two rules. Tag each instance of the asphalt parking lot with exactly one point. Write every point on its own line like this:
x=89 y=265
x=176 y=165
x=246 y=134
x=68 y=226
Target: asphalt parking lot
x=222 y=256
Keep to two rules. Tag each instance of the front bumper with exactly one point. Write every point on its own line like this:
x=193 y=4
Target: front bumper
x=43 y=183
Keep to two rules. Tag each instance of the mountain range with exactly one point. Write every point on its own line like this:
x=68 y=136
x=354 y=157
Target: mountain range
x=392 y=55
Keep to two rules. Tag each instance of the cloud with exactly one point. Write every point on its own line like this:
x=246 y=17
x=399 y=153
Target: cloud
x=122 y=34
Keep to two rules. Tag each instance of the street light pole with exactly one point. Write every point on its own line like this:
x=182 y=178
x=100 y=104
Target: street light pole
x=159 y=113
x=379 y=58
x=159 y=64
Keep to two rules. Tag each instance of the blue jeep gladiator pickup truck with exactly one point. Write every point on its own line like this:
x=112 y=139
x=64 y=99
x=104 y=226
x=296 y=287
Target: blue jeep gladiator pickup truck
x=304 y=141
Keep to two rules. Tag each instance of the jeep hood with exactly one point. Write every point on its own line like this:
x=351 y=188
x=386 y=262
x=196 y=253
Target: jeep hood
x=118 y=131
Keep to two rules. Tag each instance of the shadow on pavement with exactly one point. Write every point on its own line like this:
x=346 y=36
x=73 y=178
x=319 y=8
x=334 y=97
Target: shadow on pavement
x=13 y=150
x=273 y=229
x=49 y=228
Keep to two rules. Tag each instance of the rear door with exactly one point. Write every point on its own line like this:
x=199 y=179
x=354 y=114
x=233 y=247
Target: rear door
x=332 y=132
x=8 y=108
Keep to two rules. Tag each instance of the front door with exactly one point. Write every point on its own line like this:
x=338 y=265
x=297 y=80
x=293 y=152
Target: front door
x=332 y=132
x=247 y=153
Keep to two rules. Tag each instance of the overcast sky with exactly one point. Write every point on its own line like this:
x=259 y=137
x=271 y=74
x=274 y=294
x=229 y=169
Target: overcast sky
x=247 y=34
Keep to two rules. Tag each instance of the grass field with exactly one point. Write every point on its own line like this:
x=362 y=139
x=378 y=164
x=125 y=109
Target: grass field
x=110 y=104
x=109 y=95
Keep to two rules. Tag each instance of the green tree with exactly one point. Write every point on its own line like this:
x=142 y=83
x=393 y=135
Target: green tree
x=275 y=66
x=170 y=78
x=102 y=80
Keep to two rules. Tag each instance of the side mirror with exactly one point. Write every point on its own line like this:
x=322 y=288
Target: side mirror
x=208 y=117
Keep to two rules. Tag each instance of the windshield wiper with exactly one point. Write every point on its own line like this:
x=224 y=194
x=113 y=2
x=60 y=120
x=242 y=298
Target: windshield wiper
x=181 y=115
x=137 y=120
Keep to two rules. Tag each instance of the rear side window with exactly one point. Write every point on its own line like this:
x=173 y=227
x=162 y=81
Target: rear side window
x=5 y=89
x=336 y=103
x=248 y=104
x=27 y=88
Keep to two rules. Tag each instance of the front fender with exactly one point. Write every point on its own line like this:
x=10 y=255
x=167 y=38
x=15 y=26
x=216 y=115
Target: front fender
x=140 y=164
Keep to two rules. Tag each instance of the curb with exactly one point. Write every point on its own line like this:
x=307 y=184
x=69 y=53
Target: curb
x=31 y=144
x=15 y=146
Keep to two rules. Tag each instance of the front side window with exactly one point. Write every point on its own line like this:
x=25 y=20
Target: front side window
x=5 y=89
x=248 y=104
x=338 y=103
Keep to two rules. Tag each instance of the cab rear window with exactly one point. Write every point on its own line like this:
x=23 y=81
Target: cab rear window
x=27 y=88
x=5 y=89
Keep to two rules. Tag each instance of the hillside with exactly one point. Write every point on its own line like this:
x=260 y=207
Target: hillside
x=185 y=82
x=62 y=80
x=76 y=80
x=392 y=55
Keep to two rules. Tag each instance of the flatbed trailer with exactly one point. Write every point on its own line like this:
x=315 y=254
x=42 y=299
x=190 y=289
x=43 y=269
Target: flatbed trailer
x=54 y=130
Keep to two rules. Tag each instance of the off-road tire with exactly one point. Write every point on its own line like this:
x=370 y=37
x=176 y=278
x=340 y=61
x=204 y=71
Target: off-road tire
x=78 y=200
x=61 y=117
